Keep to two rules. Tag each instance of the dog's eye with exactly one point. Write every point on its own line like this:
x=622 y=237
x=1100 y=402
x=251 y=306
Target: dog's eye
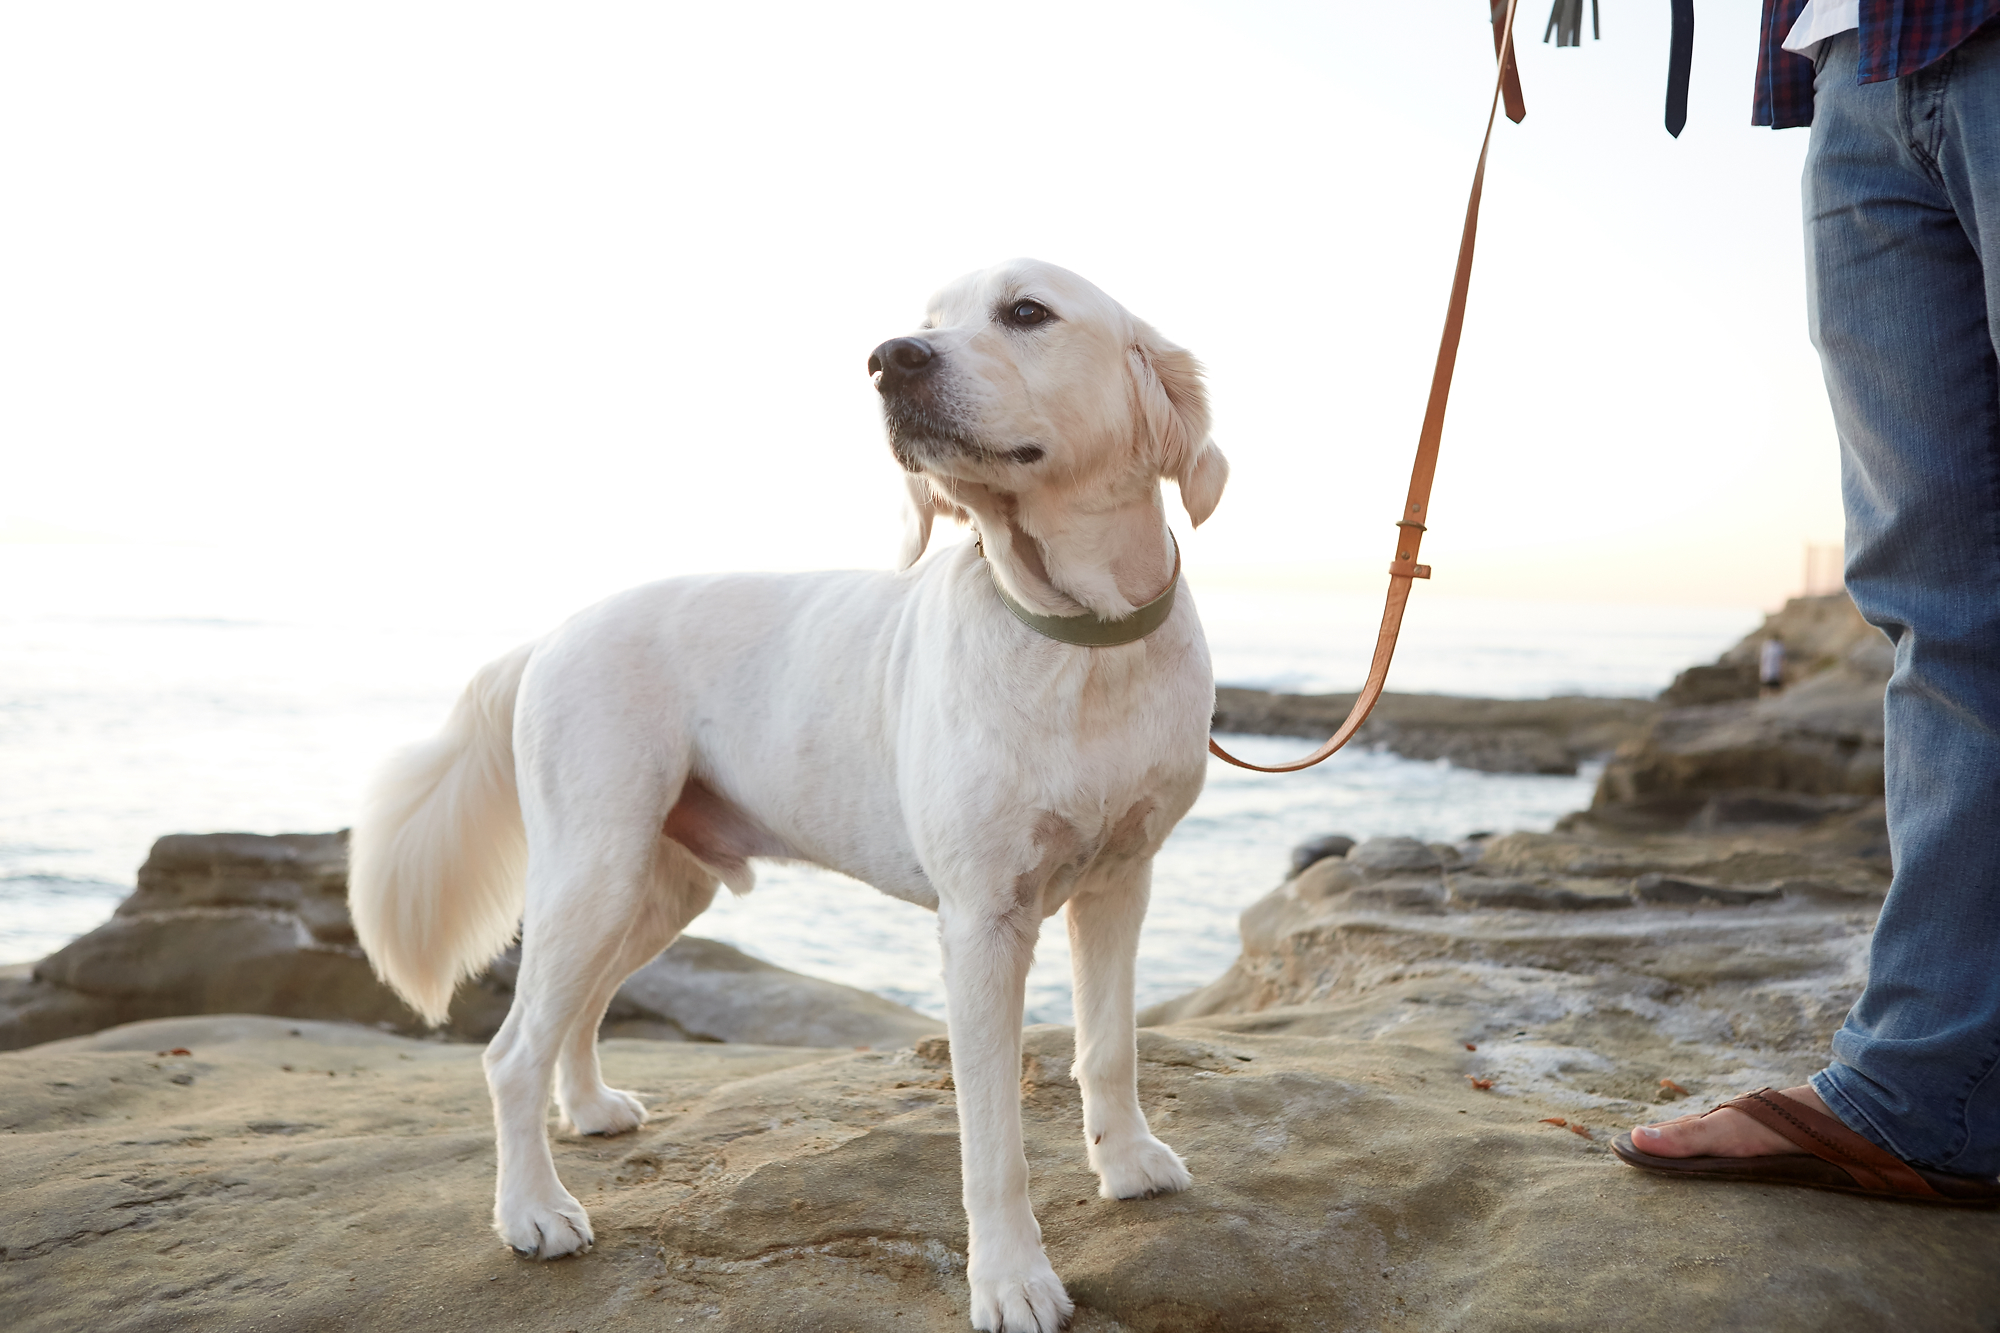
x=1027 y=314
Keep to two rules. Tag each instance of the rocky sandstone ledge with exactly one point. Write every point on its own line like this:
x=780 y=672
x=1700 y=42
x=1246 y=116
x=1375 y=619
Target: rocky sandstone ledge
x=242 y=923
x=1395 y=1103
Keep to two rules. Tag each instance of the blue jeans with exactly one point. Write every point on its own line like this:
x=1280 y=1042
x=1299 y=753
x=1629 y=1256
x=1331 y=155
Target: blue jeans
x=1902 y=215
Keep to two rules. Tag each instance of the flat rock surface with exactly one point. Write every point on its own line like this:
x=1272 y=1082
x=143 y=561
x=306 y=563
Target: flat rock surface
x=1743 y=942
x=1349 y=1176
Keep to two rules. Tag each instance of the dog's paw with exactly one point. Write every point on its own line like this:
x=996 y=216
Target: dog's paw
x=1138 y=1168
x=547 y=1230
x=609 y=1112
x=1030 y=1301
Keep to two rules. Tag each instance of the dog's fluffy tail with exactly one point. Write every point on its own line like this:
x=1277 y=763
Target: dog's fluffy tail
x=435 y=871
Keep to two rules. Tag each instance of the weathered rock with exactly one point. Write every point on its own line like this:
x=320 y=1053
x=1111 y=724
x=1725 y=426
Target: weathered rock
x=1348 y=1176
x=1387 y=856
x=1324 y=879
x=241 y=923
x=1750 y=809
x=1822 y=736
x=1717 y=762
x=1849 y=850
x=1600 y=918
x=1409 y=895
x=33 y=1011
x=711 y=992
x=303 y=874
x=1721 y=683
x=1672 y=890
x=1319 y=849
x=1492 y=735
x=1818 y=632
x=1528 y=895
x=197 y=958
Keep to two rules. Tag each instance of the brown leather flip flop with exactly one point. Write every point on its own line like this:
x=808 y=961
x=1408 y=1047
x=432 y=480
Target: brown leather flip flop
x=1834 y=1158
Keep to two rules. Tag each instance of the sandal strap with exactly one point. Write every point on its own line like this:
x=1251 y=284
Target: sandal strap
x=1830 y=1141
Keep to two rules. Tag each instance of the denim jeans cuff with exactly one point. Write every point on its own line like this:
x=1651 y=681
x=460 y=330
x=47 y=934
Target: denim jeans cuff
x=1850 y=1112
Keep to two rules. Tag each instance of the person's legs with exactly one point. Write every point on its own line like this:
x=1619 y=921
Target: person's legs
x=1902 y=204
x=1904 y=271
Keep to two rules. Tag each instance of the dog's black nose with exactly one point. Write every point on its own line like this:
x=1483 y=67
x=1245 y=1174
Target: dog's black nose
x=900 y=360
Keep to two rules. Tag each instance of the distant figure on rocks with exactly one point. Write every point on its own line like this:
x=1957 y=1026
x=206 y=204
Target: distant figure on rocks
x=1902 y=220
x=1771 y=665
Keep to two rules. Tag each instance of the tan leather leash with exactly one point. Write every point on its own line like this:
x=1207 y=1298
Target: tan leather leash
x=1410 y=527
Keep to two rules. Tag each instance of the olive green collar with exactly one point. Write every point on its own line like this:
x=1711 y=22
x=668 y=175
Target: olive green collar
x=1086 y=630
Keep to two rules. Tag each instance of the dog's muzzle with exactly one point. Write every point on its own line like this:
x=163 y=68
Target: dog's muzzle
x=900 y=363
x=922 y=425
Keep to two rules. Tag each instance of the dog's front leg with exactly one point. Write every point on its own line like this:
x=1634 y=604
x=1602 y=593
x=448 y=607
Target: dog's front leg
x=1104 y=918
x=986 y=957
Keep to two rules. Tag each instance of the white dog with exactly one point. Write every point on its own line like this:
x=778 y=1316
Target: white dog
x=907 y=729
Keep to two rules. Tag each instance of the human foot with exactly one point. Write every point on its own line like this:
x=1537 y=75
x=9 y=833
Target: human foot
x=1723 y=1132
x=1786 y=1138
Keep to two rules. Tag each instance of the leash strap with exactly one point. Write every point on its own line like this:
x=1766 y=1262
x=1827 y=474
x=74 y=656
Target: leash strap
x=1410 y=525
x=1503 y=52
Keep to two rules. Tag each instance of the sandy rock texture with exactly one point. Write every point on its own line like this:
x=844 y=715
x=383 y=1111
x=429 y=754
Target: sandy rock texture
x=1395 y=1106
x=1349 y=1175
x=1491 y=735
x=1746 y=942
x=243 y=923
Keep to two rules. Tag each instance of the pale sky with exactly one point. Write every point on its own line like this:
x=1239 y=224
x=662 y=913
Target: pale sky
x=453 y=292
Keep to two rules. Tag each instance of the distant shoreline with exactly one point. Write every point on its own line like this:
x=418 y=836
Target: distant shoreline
x=1491 y=735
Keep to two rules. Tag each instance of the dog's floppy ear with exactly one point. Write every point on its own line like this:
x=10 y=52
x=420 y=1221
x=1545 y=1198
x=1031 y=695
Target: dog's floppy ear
x=1175 y=408
x=924 y=505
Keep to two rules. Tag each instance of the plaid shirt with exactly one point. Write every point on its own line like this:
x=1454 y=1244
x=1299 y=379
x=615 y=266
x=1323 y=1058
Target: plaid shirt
x=1898 y=37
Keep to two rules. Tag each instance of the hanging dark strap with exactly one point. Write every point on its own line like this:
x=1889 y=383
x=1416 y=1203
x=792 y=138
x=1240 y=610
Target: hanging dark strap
x=1566 y=23
x=1510 y=73
x=1680 y=60
x=1410 y=524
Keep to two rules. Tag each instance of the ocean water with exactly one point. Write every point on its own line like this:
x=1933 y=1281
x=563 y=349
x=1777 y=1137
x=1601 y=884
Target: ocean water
x=147 y=691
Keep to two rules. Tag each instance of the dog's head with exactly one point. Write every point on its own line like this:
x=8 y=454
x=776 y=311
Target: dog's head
x=1028 y=382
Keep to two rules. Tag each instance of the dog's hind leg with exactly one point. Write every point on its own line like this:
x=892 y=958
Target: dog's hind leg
x=584 y=898
x=986 y=957
x=681 y=890
x=1104 y=916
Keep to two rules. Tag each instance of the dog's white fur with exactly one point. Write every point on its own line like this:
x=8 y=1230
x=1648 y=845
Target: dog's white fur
x=904 y=728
